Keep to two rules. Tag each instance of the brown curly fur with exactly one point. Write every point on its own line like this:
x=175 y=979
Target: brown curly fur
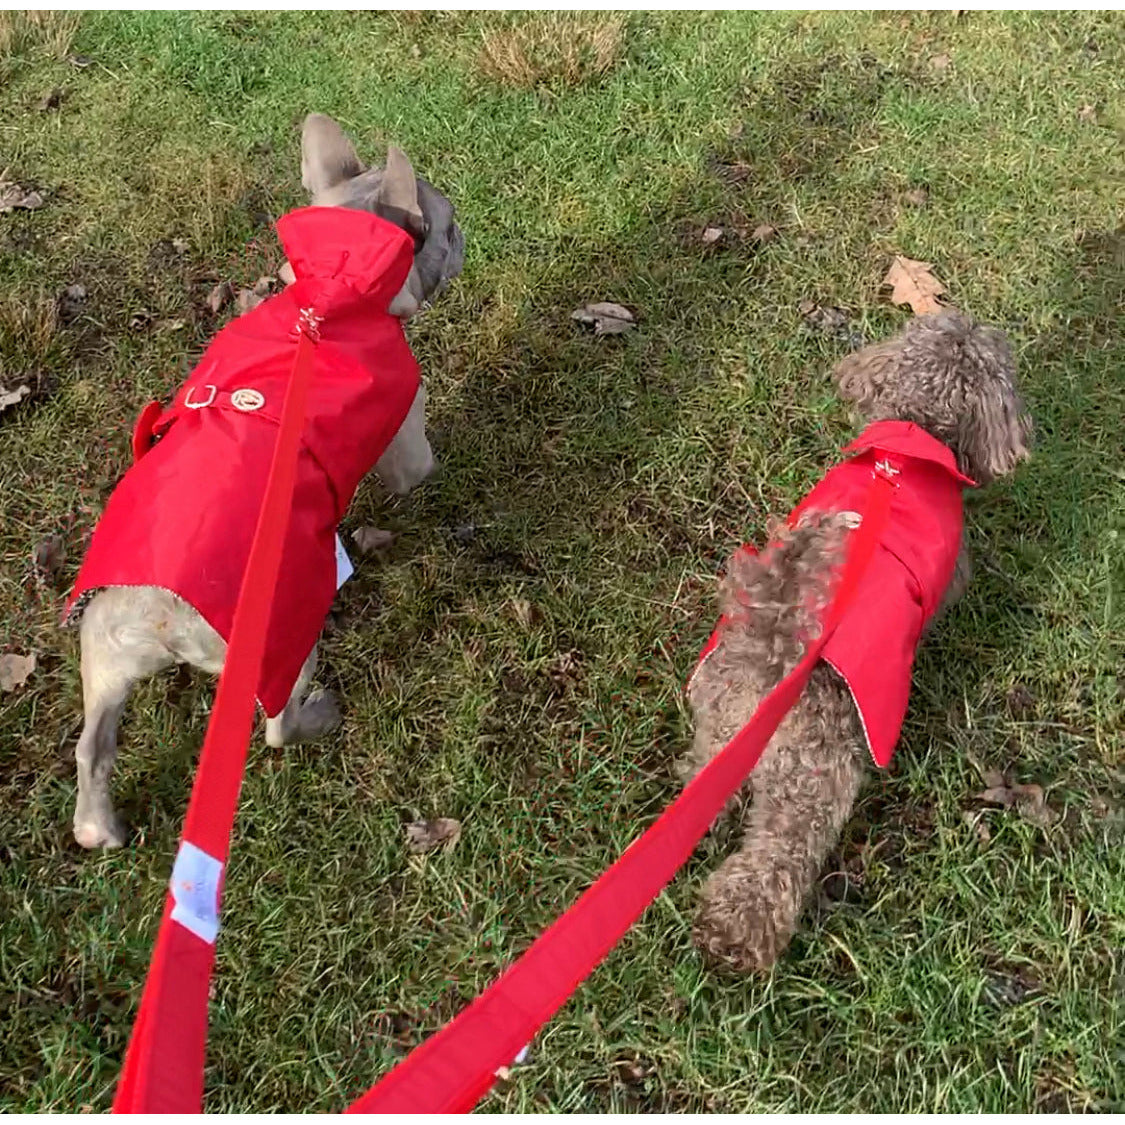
x=956 y=380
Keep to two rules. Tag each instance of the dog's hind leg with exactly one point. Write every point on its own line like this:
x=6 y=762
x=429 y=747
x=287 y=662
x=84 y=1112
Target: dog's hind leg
x=120 y=647
x=804 y=790
x=305 y=717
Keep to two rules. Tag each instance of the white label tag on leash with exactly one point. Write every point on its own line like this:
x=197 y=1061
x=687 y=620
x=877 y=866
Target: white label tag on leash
x=195 y=889
x=344 y=568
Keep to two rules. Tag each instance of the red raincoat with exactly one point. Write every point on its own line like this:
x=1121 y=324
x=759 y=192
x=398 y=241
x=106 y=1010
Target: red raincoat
x=873 y=647
x=183 y=516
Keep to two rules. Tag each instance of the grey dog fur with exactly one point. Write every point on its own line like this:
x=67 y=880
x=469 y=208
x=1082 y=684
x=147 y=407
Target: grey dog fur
x=130 y=633
x=956 y=380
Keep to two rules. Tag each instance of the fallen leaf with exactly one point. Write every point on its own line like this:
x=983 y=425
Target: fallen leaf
x=247 y=300
x=1029 y=801
x=10 y=398
x=912 y=283
x=220 y=296
x=1088 y=113
x=917 y=197
x=263 y=287
x=371 y=539
x=51 y=100
x=764 y=232
x=940 y=62
x=14 y=670
x=977 y=822
x=15 y=196
x=181 y=245
x=49 y=555
x=711 y=235
x=426 y=835
x=142 y=319
x=608 y=319
x=79 y=62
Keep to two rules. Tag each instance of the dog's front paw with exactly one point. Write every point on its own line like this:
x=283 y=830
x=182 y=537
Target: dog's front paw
x=106 y=833
x=739 y=927
x=319 y=715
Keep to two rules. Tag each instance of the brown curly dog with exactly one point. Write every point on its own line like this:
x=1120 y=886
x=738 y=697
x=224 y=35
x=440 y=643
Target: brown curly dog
x=954 y=380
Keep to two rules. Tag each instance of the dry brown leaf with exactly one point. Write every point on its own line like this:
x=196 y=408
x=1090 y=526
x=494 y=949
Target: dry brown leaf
x=607 y=318
x=263 y=287
x=79 y=62
x=371 y=539
x=940 y=62
x=220 y=296
x=710 y=235
x=913 y=283
x=917 y=197
x=1028 y=800
x=764 y=232
x=16 y=196
x=49 y=555
x=524 y=612
x=1088 y=113
x=14 y=670
x=10 y=398
x=247 y=300
x=426 y=835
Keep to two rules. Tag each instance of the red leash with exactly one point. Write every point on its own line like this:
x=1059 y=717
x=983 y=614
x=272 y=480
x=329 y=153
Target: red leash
x=453 y=1069
x=163 y=1070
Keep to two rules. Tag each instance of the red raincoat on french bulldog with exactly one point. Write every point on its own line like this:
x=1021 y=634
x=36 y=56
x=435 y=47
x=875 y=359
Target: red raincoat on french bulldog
x=873 y=647
x=183 y=517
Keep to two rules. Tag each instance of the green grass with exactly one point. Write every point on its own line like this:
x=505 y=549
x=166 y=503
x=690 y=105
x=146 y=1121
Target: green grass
x=606 y=480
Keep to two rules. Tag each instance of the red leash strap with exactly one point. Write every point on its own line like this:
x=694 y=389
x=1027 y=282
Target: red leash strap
x=163 y=1070
x=454 y=1068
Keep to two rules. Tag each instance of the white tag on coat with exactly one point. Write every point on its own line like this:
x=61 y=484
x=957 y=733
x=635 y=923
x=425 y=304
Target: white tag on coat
x=344 y=568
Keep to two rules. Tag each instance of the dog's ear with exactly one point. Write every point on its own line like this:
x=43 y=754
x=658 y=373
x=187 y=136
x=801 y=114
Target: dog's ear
x=398 y=191
x=866 y=377
x=996 y=431
x=328 y=158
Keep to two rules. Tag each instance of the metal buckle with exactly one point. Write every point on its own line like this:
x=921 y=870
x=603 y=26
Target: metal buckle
x=192 y=405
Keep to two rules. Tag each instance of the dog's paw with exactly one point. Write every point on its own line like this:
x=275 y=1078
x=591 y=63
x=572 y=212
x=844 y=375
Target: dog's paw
x=108 y=833
x=319 y=715
x=738 y=927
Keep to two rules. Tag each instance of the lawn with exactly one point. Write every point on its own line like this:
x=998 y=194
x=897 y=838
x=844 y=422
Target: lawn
x=516 y=659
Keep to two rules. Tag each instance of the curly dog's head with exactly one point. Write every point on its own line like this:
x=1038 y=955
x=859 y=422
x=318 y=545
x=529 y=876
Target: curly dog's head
x=952 y=377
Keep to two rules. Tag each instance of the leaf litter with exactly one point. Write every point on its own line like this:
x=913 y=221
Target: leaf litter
x=15 y=669
x=427 y=835
x=1029 y=801
x=913 y=283
x=606 y=317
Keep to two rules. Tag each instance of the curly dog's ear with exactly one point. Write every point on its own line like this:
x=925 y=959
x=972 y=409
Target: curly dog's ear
x=867 y=377
x=994 y=431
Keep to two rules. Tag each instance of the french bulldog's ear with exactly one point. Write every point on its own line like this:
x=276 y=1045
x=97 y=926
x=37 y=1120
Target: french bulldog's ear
x=399 y=190
x=328 y=158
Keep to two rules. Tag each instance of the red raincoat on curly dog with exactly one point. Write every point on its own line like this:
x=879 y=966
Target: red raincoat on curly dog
x=176 y=522
x=873 y=648
x=940 y=406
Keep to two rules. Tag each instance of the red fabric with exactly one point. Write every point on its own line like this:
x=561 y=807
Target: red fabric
x=874 y=647
x=452 y=1071
x=183 y=516
x=163 y=1070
